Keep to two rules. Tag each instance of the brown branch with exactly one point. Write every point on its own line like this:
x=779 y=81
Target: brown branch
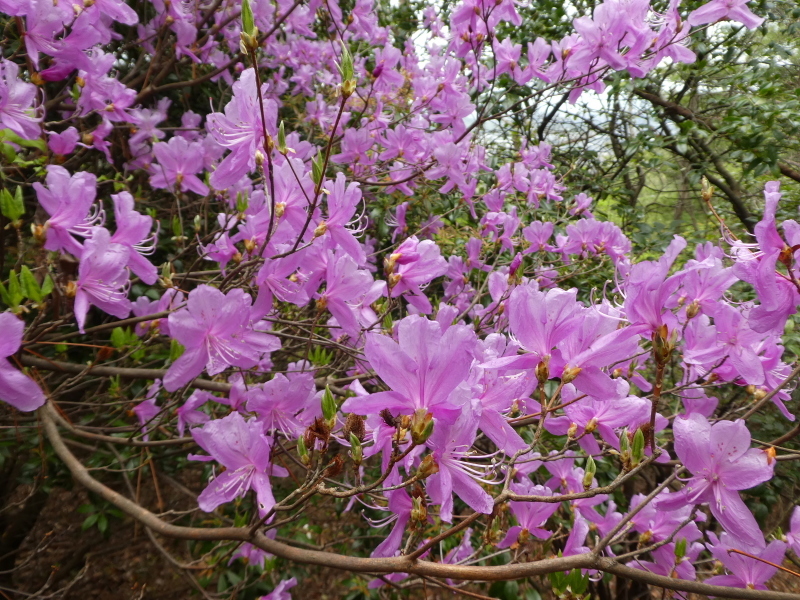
x=400 y=564
x=125 y=372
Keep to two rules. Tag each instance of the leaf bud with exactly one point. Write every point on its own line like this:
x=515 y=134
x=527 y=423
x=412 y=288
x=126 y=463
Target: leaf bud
x=348 y=87
x=637 y=450
x=707 y=190
x=329 y=407
x=346 y=69
x=302 y=451
x=356 y=452
x=260 y=158
x=428 y=467
x=680 y=548
x=249 y=31
x=282 y=140
x=421 y=426
x=624 y=446
x=316 y=168
x=588 y=474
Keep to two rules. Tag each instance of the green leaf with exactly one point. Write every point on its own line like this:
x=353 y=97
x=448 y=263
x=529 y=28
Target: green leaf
x=175 y=350
x=12 y=207
x=102 y=523
x=47 y=285
x=118 y=337
x=90 y=521
x=30 y=287
x=15 y=295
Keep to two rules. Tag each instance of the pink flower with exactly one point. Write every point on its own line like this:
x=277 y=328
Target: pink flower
x=241 y=447
x=16 y=388
x=215 y=329
x=102 y=278
x=722 y=462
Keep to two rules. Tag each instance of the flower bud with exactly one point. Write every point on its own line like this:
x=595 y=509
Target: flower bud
x=428 y=467
x=421 y=426
x=572 y=432
x=692 y=310
x=320 y=229
x=588 y=475
x=569 y=374
x=543 y=370
x=419 y=512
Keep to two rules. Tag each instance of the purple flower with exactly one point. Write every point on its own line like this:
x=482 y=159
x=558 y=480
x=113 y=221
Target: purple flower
x=189 y=413
x=16 y=388
x=722 y=462
x=240 y=130
x=63 y=143
x=16 y=102
x=530 y=515
x=716 y=10
x=148 y=410
x=450 y=443
x=412 y=265
x=285 y=405
x=745 y=572
x=241 y=447
x=342 y=202
x=400 y=506
x=423 y=368
x=668 y=564
x=215 y=329
x=793 y=537
x=133 y=232
x=280 y=593
x=67 y=200
x=179 y=161
x=345 y=285
x=102 y=278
